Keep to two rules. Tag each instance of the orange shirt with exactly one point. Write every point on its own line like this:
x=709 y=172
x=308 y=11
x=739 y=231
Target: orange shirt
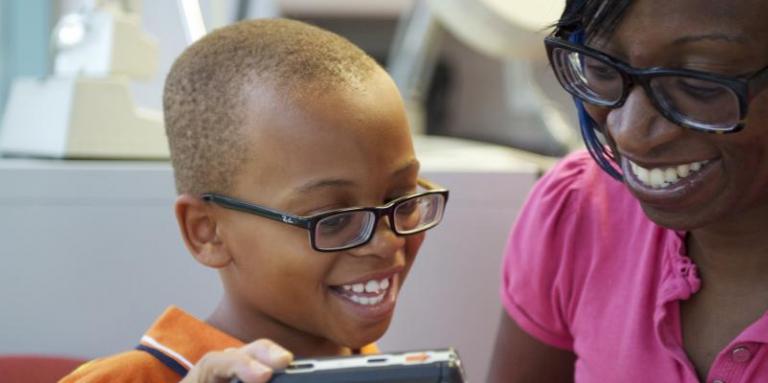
x=174 y=343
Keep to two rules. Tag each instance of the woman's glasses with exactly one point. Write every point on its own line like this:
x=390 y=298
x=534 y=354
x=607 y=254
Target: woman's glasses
x=692 y=99
x=348 y=228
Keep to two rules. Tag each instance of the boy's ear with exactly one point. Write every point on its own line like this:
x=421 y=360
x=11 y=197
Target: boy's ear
x=198 y=227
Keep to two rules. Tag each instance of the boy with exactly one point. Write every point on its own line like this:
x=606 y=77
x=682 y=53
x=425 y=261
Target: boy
x=271 y=122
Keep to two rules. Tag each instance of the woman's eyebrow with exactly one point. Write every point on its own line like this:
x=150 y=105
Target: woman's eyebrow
x=731 y=38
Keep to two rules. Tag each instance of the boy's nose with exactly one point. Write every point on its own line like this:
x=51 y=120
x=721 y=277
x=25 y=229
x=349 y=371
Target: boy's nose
x=385 y=243
x=638 y=127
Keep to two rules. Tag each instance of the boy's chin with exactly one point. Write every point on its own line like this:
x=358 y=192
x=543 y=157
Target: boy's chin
x=359 y=338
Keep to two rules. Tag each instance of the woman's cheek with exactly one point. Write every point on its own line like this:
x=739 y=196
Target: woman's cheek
x=600 y=115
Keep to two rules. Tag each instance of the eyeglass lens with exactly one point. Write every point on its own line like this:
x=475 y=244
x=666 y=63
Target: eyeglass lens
x=348 y=229
x=418 y=213
x=344 y=229
x=700 y=103
x=695 y=102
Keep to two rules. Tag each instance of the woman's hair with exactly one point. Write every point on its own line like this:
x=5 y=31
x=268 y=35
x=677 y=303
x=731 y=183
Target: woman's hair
x=593 y=17
x=589 y=19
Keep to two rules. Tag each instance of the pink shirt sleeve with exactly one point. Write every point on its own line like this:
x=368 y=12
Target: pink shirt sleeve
x=538 y=284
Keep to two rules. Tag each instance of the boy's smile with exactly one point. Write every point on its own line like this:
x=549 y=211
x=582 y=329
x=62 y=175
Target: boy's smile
x=345 y=147
x=371 y=297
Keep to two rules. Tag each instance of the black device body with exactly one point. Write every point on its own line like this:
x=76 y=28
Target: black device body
x=427 y=366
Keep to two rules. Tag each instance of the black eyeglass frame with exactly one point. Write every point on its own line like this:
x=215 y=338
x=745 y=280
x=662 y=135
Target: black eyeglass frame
x=310 y=222
x=744 y=87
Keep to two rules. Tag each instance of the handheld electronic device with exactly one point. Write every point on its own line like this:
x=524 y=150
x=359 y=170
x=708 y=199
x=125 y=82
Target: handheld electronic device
x=428 y=366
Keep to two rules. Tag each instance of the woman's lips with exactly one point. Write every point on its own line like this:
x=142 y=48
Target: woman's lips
x=674 y=185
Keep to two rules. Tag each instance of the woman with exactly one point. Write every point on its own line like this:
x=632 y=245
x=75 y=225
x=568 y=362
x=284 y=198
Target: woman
x=663 y=275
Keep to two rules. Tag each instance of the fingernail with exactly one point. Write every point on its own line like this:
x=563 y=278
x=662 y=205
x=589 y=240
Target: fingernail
x=276 y=353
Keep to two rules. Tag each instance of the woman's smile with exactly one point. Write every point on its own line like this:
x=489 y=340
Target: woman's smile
x=674 y=186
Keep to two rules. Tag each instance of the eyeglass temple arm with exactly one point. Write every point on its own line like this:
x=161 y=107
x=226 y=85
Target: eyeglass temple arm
x=256 y=209
x=596 y=148
x=433 y=187
x=586 y=124
x=758 y=83
x=428 y=185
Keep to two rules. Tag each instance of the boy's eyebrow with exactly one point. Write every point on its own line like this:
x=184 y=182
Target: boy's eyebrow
x=413 y=163
x=340 y=182
x=318 y=184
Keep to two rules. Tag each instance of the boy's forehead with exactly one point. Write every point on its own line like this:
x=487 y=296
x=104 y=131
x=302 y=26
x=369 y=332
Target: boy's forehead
x=338 y=132
x=371 y=108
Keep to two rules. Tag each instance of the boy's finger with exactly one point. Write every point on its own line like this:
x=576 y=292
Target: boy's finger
x=252 y=372
x=223 y=366
x=269 y=353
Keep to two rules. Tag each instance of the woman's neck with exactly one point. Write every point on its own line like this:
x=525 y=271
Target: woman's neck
x=733 y=250
x=249 y=325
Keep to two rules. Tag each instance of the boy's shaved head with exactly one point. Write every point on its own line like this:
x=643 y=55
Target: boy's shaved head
x=206 y=91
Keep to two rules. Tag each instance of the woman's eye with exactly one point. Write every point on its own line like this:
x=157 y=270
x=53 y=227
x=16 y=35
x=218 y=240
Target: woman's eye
x=600 y=72
x=597 y=70
x=703 y=90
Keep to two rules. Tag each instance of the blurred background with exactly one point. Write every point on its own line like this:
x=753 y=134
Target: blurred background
x=86 y=190
x=471 y=74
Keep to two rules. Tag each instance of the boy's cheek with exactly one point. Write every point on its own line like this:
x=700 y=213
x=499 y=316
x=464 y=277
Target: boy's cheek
x=412 y=246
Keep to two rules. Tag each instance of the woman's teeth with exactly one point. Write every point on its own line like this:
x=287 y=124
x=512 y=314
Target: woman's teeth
x=373 y=290
x=658 y=178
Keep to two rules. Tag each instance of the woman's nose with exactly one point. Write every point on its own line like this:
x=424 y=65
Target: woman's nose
x=637 y=127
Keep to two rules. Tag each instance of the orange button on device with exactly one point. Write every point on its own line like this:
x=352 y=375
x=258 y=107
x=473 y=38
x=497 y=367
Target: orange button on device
x=415 y=358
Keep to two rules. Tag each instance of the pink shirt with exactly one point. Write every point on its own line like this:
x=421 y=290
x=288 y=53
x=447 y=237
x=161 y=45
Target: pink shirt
x=585 y=270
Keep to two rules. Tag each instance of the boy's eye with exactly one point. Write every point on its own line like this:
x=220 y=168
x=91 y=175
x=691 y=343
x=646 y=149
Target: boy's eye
x=334 y=223
x=407 y=207
x=324 y=209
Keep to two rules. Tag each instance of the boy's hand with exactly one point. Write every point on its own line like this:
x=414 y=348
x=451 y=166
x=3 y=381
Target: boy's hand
x=252 y=363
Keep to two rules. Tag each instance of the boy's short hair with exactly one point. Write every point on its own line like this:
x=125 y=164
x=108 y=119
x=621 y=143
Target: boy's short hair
x=205 y=91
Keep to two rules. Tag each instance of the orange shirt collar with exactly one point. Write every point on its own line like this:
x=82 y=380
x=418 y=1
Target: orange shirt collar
x=186 y=339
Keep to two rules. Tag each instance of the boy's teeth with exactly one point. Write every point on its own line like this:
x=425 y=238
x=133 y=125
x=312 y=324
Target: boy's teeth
x=660 y=178
x=367 y=301
x=372 y=286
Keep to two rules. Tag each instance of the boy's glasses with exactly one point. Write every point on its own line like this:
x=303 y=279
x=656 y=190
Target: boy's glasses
x=692 y=99
x=347 y=228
